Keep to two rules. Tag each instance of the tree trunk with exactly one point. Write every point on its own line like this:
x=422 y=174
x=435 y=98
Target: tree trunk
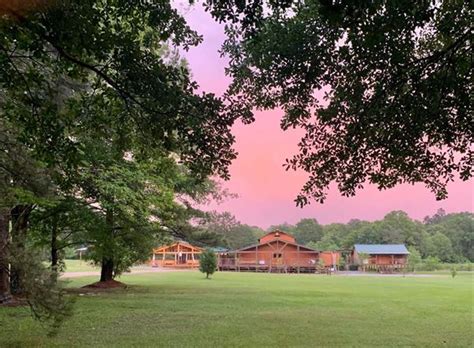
x=5 y=295
x=54 y=245
x=107 y=270
x=20 y=215
x=107 y=267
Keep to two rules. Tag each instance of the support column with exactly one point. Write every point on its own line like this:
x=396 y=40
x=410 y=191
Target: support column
x=256 y=258
x=298 y=259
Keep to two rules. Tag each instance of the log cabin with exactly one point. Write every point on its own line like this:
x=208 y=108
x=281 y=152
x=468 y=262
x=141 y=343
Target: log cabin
x=380 y=257
x=177 y=255
x=277 y=251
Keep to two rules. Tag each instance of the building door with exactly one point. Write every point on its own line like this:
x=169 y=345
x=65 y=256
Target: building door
x=277 y=259
x=181 y=258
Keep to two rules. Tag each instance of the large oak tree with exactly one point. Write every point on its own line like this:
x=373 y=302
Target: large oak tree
x=93 y=92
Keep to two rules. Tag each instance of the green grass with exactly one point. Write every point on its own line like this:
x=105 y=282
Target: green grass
x=87 y=266
x=181 y=309
x=80 y=266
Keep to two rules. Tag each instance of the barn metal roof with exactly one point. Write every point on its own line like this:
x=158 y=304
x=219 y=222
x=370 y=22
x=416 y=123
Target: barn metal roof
x=381 y=249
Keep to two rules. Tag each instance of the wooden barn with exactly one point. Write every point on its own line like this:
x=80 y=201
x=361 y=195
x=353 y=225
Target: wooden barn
x=276 y=252
x=178 y=255
x=380 y=257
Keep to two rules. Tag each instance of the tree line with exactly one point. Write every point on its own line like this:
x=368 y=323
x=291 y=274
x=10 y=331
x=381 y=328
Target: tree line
x=447 y=237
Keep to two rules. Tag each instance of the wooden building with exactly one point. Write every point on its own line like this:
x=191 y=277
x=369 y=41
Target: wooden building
x=276 y=252
x=380 y=257
x=330 y=258
x=178 y=255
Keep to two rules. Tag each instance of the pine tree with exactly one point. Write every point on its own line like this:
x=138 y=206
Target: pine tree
x=208 y=262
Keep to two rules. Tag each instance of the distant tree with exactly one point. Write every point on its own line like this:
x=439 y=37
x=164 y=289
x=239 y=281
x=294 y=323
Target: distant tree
x=284 y=227
x=208 y=262
x=232 y=233
x=436 y=218
x=341 y=263
x=454 y=271
x=363 y=257
x=441 y=247
x=240 y=236
x=459 y=228
x=324 y=244
x=257 y=231
x=336 y=232
x=431 y=263
x=307 y=230
x=414 y=259
x=363 y=233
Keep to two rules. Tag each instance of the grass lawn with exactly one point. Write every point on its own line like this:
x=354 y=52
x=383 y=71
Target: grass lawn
x=87 y=266
x=182 y=309
x=80 y=266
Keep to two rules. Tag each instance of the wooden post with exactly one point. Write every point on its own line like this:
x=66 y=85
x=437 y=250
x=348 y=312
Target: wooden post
x=256 y=258
x=298 y=259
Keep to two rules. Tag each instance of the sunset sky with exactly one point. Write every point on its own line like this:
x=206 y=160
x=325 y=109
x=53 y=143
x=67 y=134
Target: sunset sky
x=266 y=191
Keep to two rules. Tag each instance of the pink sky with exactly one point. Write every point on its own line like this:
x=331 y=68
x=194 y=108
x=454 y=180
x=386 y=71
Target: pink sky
x=266 y=191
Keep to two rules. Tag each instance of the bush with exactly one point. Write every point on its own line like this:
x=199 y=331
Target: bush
x=431 y=264
x=341 y=264
x=208 y=262
x=463 y=267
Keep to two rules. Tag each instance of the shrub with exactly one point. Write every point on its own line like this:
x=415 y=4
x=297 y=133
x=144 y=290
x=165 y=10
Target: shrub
x=341 y=265
x=208 y=262
x=431 y=264
x=453 y=271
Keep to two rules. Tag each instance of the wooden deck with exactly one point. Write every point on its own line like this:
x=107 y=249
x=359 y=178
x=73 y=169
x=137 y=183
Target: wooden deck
x=252 y=267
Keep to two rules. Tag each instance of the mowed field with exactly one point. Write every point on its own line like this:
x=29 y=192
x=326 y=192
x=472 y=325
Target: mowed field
x=182 y=309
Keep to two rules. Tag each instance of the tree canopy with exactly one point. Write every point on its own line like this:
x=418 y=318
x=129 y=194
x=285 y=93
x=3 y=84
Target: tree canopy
x=381 y=89
x=105 y=140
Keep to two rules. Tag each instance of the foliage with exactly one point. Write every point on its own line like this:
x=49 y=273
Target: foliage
x=45 y=296
x=341 y=263
x=454 y=272
x=362 y=258
x=208 y=262
x=448 y=237
x=284 y=227
x=381 y=89
x=431 y=263
x=232 y=233
x=440 y=247
x=414 y=259
x=459 y=228
x=325 y=244
x=105 y=140
x=307 y=230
